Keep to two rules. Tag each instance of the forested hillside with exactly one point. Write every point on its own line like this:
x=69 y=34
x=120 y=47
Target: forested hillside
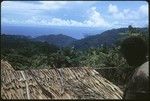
x=23 y=52
x=94 y=51
x=107 y=38
x=58 y=40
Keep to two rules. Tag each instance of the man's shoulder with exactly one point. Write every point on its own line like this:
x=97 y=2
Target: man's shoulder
x=138 y=85
x=143 y=70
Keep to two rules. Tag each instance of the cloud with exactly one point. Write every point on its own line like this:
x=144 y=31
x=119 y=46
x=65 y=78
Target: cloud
x=27 y=5
x=26 y=8
x=128 y=14
x=38 y=21
x=144 y=9
x=90 y=14
x=52 y=4
x=94 y=19
x=31 y=6
x=61 y=22
x=112 y=8
x=125 y=17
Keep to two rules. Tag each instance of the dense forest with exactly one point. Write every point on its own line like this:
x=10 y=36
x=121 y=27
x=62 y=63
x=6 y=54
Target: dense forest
x=97 y=51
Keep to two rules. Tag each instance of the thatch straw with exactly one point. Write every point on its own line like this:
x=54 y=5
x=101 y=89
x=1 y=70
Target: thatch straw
x=63 y=83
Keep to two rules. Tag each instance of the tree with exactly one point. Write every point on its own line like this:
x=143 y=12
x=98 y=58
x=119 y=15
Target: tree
x=130 y=30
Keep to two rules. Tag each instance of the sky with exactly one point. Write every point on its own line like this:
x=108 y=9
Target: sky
x=101 y=14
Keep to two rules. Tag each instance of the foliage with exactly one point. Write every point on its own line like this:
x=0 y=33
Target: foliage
x=39 y=61
x=65 y=57
x=24 y=53
x=93 y=58
x=18 y=61
x=99 y=58
x=59 y=40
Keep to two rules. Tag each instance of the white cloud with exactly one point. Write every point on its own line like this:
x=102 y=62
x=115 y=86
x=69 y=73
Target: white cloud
x=128 y=14
x=112 y=8
x=31 y=8
x=27 y=6
x=125 y=17
x=94 y=19
x=144 y=9
x=61 y=22
x=126 y=11
x=39 y=21
x=53 y=4
x=30 y=14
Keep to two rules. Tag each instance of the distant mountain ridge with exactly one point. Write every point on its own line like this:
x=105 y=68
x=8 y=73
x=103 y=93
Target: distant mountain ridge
x=58 y=40
x=108 y=38
x=35 y=31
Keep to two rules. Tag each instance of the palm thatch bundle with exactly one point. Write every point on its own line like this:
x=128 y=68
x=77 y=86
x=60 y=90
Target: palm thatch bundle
x=63 y=83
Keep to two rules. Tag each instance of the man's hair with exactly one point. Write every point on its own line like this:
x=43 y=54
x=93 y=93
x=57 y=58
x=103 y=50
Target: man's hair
x=134 y=49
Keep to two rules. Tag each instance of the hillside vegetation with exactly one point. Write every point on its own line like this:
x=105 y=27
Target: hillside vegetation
x=96 y=51
x=58 y=40
x=108 y=38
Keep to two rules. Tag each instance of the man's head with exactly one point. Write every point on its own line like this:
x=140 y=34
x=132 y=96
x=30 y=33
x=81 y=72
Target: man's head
x=134 y=50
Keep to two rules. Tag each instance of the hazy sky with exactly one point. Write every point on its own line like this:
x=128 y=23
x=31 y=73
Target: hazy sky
x=102 y=14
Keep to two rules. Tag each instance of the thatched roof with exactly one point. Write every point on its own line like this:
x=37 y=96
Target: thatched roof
x=63 y=83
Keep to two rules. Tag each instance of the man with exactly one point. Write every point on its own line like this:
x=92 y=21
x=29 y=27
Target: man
x=134 y=50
